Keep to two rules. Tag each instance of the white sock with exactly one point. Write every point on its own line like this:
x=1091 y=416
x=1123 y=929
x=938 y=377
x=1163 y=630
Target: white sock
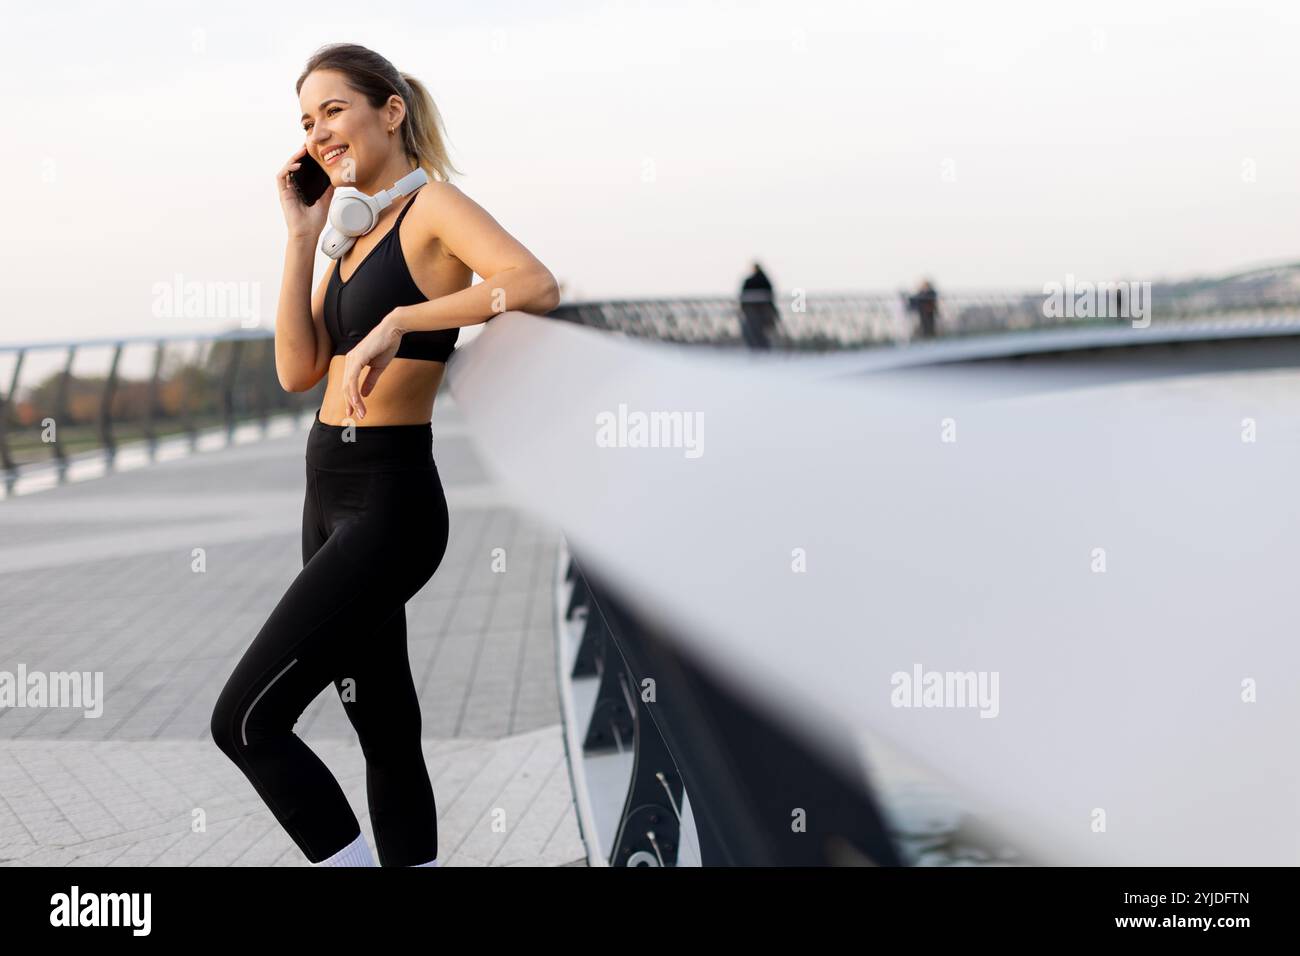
x=356 y=853
x=433 y=862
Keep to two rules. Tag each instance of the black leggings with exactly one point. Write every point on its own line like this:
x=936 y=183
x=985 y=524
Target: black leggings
x=374 y=529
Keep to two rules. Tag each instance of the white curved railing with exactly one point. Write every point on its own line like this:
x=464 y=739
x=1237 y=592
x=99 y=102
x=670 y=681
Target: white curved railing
x=1117 y=563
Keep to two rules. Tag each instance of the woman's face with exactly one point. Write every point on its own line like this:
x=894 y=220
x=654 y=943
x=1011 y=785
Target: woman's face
x=344 y=133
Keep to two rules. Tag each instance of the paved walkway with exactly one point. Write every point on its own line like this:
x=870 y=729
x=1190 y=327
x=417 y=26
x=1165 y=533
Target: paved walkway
x=99 y=576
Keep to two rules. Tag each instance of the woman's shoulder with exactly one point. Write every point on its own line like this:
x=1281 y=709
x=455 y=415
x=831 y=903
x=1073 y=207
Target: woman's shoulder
x=439 y=197
x=446 y=211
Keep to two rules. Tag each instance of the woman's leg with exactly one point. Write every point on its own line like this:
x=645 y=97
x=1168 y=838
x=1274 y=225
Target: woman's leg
x=300 y=650
x=372 y=537
x=405 y=531
x=378 y=694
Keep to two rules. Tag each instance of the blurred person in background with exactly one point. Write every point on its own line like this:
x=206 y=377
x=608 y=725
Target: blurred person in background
x=925 y=303
x=757 y=308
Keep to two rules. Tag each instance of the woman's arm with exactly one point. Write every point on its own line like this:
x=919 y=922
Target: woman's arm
x=513 y=278
x=301 y=342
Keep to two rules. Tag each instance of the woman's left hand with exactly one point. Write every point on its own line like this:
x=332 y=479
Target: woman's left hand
x=375 y=351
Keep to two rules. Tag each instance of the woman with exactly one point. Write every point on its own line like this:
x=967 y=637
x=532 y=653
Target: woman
x=375 y=521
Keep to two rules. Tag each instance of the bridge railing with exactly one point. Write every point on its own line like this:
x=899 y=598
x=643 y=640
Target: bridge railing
x=742 y=610
x=62 y=399
x=689 y=734
x=828 y=321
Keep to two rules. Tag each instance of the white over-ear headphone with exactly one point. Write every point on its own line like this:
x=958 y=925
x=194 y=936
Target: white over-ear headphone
x=352 y=213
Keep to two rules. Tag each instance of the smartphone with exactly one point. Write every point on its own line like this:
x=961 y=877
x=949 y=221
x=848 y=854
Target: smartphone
x=310 y=180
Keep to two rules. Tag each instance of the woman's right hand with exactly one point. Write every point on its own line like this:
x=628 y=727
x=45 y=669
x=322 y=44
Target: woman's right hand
x=302 y=220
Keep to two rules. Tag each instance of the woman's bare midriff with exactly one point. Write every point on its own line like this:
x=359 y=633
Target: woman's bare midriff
x=403 y=396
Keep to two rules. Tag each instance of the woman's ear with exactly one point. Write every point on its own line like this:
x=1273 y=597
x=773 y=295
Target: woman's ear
x=396 y=113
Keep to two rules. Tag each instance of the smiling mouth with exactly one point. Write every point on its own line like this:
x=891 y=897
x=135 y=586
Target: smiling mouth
x=331 y=154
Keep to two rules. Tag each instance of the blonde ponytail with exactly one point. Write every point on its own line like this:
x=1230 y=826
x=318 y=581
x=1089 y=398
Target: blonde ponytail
x=423 y=132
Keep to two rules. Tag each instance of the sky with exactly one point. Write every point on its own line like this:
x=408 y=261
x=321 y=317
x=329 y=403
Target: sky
x=655 y=149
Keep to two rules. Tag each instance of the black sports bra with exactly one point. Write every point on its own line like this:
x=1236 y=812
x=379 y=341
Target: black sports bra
x=354 y=307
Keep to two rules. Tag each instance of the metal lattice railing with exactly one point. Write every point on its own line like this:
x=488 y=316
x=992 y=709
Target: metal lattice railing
x=835 y=321
x=64 y=398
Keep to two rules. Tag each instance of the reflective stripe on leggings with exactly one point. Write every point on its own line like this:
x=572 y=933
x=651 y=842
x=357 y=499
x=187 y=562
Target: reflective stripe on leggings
x=243 y=724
